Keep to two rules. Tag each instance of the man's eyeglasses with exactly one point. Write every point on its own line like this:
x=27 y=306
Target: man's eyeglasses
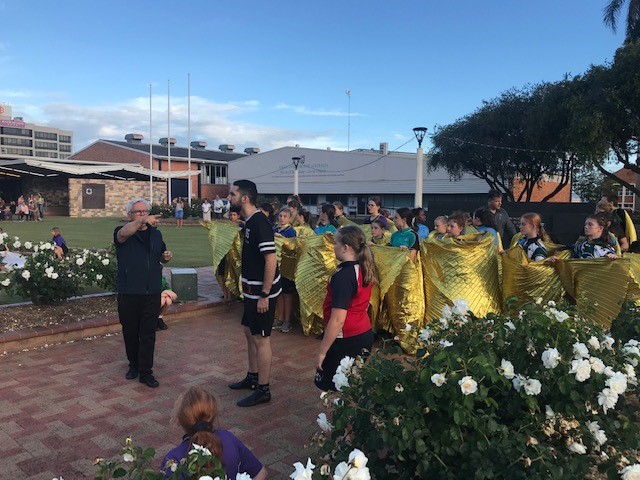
x=139 y=212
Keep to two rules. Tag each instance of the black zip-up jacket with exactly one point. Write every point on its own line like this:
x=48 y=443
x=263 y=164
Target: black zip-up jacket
x=139 y=268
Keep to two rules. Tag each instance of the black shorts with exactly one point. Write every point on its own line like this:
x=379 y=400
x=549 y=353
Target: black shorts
x=288 y=286
x=258 y=323
x=342 y=347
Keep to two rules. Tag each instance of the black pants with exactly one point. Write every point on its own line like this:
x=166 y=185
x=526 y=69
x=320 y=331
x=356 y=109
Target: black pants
x=342 y=347
x=139 y=317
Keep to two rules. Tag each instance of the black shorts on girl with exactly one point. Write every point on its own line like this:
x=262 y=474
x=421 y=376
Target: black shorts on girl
x=342 y=347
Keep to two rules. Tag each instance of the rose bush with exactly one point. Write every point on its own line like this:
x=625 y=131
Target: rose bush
x=536 y=393
x=46 y=279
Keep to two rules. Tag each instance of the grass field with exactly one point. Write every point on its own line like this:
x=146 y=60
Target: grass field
x=189 y=245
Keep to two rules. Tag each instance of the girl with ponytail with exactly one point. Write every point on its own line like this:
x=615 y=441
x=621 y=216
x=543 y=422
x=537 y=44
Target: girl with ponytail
x=533 y=237
x=196 y=411
x=347 y=327
x=596 y=242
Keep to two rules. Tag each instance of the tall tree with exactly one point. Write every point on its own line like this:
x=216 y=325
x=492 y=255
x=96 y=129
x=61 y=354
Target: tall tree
x=614 y=8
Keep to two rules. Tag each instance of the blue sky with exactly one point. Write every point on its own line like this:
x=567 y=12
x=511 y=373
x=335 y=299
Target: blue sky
x=271 y=74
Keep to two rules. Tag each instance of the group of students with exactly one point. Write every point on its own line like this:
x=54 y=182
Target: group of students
x=30 y=208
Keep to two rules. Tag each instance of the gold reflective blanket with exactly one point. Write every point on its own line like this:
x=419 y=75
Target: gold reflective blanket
x=461 y=268
x=316 y=264
x=529 y=280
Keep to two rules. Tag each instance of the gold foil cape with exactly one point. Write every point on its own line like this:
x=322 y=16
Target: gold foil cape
x=461 y=268
x=411 y=294
x=528 y=280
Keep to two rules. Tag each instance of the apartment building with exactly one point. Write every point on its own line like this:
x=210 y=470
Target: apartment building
x=21 y=139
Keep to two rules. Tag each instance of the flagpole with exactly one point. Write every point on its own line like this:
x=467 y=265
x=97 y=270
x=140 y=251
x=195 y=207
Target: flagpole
x=150 y=148
x=189 y=133
x=169 y=141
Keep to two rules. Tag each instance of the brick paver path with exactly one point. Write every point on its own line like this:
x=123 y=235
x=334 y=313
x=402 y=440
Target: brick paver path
x=62 y=406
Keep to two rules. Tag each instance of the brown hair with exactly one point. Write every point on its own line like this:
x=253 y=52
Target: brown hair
x=353 y=236
x=602 y=220
x=535 y=220
x=381 y=223
x=196 y=410
x=457 y=217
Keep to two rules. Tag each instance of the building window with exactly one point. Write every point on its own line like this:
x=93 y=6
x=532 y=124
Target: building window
x=65 y=138
x=22 y=132
x=47 y=145
x=46 y=135
x=40 y=153
x=214 y=174
x=17 y=151
x=64 y=156
x=65 y=148
x=23 y=142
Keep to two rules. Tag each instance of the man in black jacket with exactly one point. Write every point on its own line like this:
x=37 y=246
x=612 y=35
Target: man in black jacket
x=501 y=221
x=140 y=251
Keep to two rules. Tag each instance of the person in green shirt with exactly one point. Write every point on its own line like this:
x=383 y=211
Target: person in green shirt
x=406 y=237
x=326 y=220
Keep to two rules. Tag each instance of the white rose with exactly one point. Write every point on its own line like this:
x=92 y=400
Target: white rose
x=127 y=457
x=631 y=472
x=629 y=371
x=358 y=459
x=28 y=245
x=425 y=334
x=345 y=364
x=6 y=282
x=79 y=261
x=594 y=343
x=26 y=274
x=598 y=434
x=444 y=322
x=17 y=244
x=608 y=371
x=447 y=312
x=207 y=477
x=506 y=369
x=518 y=381
x=340 y=380
x=460 y=307
x=577 y=447
x=243 y=476
x=323 y=422
x=445 y=343
x=597 y=365
x=510 y=325
x=582 y=369
x=550 y=358
x=607 y=399
x=538 y=300
x=199 y=448
x=580 y=350
x=407 y=328
x=54 y=275
x=99 y=277
x=532 y=387
x=549 y=412
x=468 y=385
x=340 y=471
x=617 y=383
x=560 y=315
x=607 y=342
x=438 y=379
x=399 y=388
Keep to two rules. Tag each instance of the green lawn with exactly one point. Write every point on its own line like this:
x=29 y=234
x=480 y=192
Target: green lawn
x=189 y=245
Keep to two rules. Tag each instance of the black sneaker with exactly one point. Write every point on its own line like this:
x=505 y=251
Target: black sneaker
x=149 y=381
x=245 y=384
x=256 y=398
x=132 y=373
x=161 y=325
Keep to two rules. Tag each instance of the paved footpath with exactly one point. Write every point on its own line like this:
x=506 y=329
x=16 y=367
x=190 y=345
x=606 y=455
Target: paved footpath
x=65 y=405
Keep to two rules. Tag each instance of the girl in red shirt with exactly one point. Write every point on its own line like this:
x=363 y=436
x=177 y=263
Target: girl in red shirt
x=347 y=327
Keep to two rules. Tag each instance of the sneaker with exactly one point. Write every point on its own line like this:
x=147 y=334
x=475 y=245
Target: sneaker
x=286 y=327
x=256 y=398
x=277 y=325
x=132 y=373
x=245 y=384
x=161 y=325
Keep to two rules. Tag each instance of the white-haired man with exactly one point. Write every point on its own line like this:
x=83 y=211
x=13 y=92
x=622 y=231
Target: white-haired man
x=140 y=251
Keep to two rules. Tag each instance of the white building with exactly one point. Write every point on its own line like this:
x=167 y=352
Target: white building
x=351 y=177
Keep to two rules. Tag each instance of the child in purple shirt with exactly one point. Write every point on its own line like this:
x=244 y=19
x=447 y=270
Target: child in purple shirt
x=196 y=412
x=60 y=246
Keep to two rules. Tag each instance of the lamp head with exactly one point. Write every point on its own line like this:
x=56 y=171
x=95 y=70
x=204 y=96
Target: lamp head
x=420 y=132
x=296 y=161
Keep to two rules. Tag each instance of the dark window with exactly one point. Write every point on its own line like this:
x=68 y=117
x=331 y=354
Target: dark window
x=22 y=132
x=41 y=153
x=65 y=138
x=23 y=142
x=47 y=145
x=18 y=151
x=65 y=148
x=46 y=135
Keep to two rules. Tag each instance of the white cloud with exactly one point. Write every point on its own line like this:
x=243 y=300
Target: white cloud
x=303 y=110
x=216 y=123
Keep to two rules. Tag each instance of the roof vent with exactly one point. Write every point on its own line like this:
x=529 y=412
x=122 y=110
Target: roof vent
x=384 y=148
x=199 y=145
x=164 y=141
x=134 y=137
x=251 y=150
x=226 y=147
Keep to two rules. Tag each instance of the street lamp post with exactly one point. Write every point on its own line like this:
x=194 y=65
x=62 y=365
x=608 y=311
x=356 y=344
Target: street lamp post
x=419 y=132
x=296 y=161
